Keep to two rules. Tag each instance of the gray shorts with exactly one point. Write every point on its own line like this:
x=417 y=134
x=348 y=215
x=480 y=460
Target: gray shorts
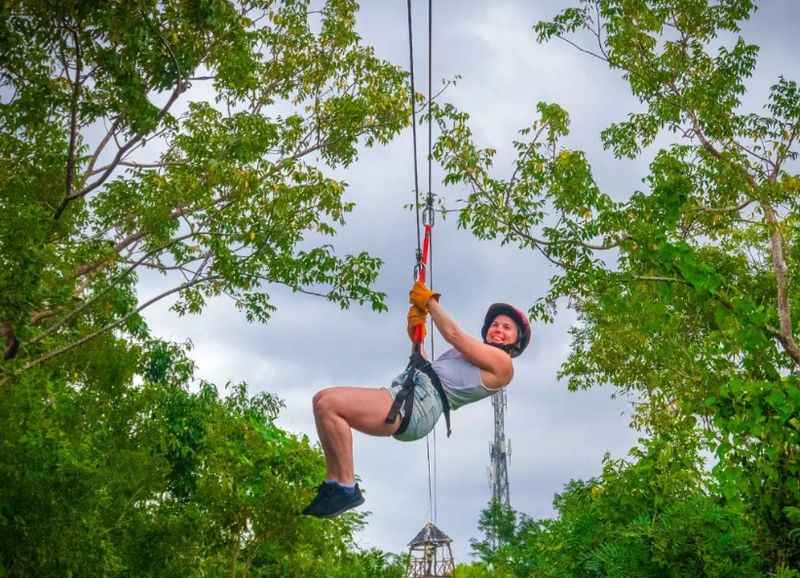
x=427 y=405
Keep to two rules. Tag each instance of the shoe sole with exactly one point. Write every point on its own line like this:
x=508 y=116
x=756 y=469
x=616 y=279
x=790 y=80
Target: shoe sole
x=343 y=510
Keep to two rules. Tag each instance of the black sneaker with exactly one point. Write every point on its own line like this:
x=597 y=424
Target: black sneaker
x=332 y=500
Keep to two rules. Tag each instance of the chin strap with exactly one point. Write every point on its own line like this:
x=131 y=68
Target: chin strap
x=510 y=349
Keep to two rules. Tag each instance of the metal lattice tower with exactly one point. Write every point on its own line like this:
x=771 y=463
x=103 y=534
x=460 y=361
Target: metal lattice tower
x=500 y=453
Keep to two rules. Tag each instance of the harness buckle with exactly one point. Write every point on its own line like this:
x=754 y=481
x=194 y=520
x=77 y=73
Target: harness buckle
x=428 y=212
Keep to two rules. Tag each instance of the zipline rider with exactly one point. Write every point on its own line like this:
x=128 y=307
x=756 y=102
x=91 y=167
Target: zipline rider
x=408 y=410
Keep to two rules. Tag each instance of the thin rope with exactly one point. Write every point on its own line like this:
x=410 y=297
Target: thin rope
x=430 y=92
x=433 y=356
x=413 y=122
x=435 y=480
x=430 y=488
x=430 y=208
x=417 y=204
x=432 y=479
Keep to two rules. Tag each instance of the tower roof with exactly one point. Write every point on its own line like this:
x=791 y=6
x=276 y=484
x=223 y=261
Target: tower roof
x=430 y=534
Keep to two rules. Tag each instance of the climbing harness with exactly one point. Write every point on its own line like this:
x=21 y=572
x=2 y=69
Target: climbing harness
x=405 y=397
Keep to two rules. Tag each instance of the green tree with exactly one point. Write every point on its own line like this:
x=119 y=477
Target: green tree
x=497 y=523
x=650 y=516
x=473 y=570
x=160 y=479
x=368 y=564
x=190 y=139
x=685 y=290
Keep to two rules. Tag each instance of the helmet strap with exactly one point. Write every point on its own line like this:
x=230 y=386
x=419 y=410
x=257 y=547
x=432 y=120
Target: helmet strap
x=504 y=346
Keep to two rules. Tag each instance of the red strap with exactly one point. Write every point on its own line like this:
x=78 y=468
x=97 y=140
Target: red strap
x=423 y=266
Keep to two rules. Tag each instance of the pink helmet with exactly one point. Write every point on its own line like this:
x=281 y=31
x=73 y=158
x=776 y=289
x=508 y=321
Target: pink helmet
x=520 y=319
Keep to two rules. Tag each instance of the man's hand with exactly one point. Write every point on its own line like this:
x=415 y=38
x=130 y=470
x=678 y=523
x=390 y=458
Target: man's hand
x=420 y=295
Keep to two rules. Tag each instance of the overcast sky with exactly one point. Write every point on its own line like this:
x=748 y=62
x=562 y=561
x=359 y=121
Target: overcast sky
x=309 y=343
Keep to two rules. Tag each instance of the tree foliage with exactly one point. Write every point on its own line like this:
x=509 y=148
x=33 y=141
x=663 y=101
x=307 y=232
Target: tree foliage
x=651 y=516
x=186 y=139
x=192 y=142
x=115 y=479
x=686 y=289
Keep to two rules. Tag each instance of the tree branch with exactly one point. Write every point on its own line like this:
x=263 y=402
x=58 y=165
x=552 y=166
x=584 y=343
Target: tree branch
x=531 y=146
x=40 y=315
x=788 y=344
x=113 y=325
x=598 y=32
x=73 y=117
x=73 y=314
x=584 y=50
x=776 y=167
x=780 y=270
x=180 y=87
x=660 y=278
x=752 y=153
x=96 y=155
x=734 y=209
x=136 y=165
x=124 y=244
x=12 y=344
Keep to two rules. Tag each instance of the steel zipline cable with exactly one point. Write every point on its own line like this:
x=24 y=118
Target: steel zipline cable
x=413 y=122
x=427 y=220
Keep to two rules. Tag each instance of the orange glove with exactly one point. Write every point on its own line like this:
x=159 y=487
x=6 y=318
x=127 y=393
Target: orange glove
x=416 y=317
x=420 y=295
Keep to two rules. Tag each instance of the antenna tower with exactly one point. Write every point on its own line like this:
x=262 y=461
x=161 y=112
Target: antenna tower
x=500 y=453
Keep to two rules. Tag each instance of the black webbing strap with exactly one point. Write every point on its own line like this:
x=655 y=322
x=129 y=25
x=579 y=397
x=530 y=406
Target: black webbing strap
x=426 y=368
x=405 y=397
